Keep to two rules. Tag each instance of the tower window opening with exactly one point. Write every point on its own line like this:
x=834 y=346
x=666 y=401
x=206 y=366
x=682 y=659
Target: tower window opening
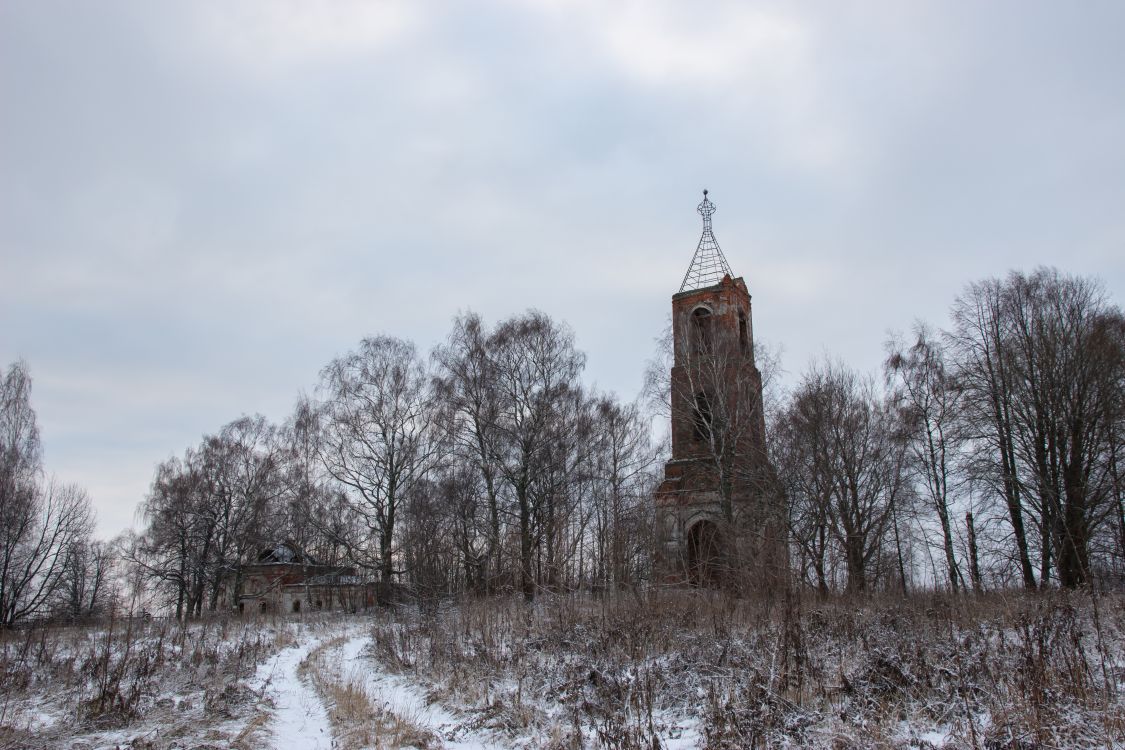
x=701 y=323
x=703 y=417
x=743 y=334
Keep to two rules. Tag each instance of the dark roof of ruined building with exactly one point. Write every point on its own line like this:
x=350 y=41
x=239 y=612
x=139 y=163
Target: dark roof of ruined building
x=285 y=553
x=708 y=265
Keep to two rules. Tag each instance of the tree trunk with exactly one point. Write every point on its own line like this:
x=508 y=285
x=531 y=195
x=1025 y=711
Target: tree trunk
x=857 y=581
x=974 y=559
x=898 y=550
x=1015 y=506
x=947 y=540
x=527 y=573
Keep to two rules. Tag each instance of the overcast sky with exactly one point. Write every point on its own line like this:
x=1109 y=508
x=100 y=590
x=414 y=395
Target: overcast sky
x=202 y=203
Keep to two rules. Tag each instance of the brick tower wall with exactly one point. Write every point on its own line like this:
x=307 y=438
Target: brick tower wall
x=722 y=362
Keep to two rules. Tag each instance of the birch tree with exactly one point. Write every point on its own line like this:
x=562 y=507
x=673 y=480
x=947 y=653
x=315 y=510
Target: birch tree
x=377 y=439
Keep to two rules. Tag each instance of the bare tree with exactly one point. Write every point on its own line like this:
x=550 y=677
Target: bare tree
x=623 y=460
x=39 y=525
x=208 y=514
x=458 y=490
x=468 y=408
x=314 y=511
x=33 y=551
x=1042 y=357
x=427 y=526
x=377 y=439
x=168 y=552
x=929 y=401
x=240 y=471
x=536 y=368
x=845 y=469
x=1115 y=461
x=85 y=583
x=800 y=453
x=513 y=415
x=564 y=489
x=20 y=462
x=1077 y=341
x=984 y=366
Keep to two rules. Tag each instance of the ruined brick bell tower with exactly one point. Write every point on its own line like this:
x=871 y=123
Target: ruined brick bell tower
x=718 y=508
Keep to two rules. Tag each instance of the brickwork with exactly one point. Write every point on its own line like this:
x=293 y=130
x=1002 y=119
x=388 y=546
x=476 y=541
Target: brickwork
x=718 y=484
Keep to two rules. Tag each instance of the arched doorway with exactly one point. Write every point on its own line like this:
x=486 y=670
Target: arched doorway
x=703 y=554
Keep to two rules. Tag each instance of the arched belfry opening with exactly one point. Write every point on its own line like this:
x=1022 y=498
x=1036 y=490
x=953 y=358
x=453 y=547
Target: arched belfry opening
x=715 y=503
x=701 y=330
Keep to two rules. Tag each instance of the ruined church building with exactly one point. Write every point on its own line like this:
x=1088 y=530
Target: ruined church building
x=719 y=512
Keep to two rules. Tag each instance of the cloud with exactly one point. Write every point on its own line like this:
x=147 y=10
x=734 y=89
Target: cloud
x=275 y=38
x=202 y=203
x=712 y=47
x=754 y=68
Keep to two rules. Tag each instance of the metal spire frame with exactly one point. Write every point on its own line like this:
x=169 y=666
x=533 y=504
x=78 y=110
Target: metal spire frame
x=708 y=265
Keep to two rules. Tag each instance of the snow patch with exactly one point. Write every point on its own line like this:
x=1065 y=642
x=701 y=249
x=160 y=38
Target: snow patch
x=405 y=698
x=299 y=718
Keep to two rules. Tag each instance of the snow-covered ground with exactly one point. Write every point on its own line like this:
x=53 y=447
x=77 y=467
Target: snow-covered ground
x=407 y=699
x=298 y=714
x=402 y=697
x=298 y=717
x=677 y=671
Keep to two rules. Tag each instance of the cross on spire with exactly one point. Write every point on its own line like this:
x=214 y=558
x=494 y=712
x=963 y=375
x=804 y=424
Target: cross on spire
x=708 y=265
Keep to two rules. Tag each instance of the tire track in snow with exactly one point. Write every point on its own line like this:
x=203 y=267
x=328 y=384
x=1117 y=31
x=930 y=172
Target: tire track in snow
x=406 y=698
x=299 y=718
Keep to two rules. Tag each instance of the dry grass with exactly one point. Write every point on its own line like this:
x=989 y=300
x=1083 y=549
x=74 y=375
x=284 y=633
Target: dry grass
x=357 y=721
x=1001 y=671
x=156 y=683
x=975 y=672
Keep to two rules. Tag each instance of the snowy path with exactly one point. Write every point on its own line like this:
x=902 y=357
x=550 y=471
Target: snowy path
x=405 y=698
x=299 y=718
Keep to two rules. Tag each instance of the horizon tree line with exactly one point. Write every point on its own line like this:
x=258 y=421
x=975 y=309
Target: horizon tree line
x=486 y=468
x=50 y=562
x=1012 y=420
x=985 y=456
